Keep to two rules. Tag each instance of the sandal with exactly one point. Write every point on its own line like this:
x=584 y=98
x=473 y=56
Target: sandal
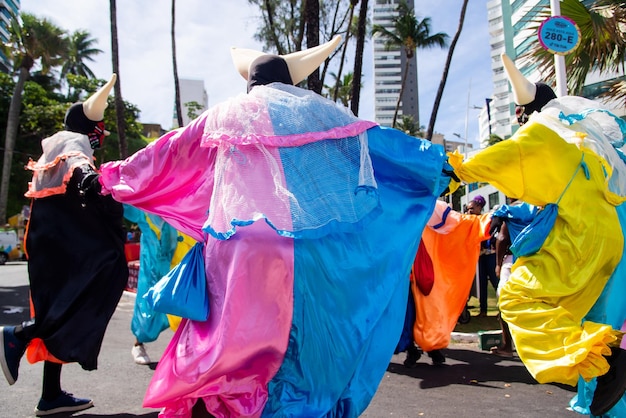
x=498 y=351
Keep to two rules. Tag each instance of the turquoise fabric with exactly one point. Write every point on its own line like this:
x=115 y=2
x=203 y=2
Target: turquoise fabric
x=532 y=237
x=183 y=291
x=155 y=257
x=517 y=217
x=608 y=309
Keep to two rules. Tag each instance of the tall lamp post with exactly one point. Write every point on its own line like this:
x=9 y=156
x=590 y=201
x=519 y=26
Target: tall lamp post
x=488 y=101
x=464 y=138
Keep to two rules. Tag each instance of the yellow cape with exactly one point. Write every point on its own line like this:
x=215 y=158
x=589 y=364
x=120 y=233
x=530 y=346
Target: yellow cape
x=550 y=292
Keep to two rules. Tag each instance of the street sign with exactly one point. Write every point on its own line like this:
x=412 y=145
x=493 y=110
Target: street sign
x=559 y=35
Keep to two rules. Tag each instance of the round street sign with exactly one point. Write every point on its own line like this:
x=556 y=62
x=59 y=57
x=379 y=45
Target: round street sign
x=559 y=35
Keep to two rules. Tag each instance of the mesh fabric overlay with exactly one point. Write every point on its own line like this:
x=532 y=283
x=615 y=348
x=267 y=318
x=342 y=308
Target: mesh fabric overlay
x=301 y=163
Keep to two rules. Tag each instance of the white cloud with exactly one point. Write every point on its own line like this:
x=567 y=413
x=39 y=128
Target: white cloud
x=205 y=31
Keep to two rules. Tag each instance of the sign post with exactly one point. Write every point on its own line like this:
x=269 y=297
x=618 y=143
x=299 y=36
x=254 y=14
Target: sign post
x=560 y=36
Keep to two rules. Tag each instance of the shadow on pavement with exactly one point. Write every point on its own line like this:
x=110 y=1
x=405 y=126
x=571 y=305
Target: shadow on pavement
x=479 y=368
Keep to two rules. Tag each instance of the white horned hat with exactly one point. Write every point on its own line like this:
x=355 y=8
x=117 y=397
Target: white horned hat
x=300 y=64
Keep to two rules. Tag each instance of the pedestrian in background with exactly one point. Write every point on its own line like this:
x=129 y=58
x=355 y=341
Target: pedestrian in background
x=486 y=260
x=507 y=223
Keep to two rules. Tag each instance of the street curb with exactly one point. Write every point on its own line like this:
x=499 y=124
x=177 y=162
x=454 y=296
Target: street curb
x=464 y=337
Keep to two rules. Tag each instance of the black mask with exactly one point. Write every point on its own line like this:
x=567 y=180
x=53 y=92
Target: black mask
x=268 y=69
x=76 y=121
x=543 y=95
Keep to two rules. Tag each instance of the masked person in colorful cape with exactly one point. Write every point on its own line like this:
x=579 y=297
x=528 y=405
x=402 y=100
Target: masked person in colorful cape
x=162 y=248
x=158 y=244
x=295 y=200
x=76 y=263
x=451 y=241
x=564 y=159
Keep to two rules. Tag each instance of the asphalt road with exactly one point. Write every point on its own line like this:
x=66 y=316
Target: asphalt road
x=472 y=383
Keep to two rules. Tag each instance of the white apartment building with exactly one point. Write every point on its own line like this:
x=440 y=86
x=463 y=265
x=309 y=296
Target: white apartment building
x=509 y=23
x=509 y=29
x=7 y=7
x=191 y=91
x=388 y=71
x=501 y=40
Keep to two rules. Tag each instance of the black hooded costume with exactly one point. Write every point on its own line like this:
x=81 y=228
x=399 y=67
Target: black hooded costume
x=75 y=246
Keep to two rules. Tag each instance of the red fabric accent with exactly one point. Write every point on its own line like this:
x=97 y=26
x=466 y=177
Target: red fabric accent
x=423 y=270
x=131 y=250
x=36 y=350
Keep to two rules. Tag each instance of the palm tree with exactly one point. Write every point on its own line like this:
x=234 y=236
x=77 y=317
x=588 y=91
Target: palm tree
x=342 y=88
x=408 y=126
x=444 y=77
x=80 y=49
x=358 y=59
x=494 y=139
x=602 y=44
x=119 y=102
x=179 y=110
x=409 y=33
x=34 y=40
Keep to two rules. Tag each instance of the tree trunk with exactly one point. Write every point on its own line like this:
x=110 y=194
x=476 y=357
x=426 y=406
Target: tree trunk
x=312 y=16
x=404 y=77
x=119 y=102
x=358 y=59
x=179 y=111
x=272 y=28
x=444 y=77
x=343 y=52
x=13 y=123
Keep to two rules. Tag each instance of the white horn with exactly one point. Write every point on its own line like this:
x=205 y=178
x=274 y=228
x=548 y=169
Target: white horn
x=524 y=91
x=94 y=106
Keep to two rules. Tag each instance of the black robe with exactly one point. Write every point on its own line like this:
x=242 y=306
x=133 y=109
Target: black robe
x=77 y=269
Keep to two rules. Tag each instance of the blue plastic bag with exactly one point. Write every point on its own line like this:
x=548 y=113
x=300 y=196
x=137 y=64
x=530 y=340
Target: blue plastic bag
x=183 y=291
x=530 y=240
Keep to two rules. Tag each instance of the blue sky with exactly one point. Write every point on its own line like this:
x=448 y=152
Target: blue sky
x=205 y=31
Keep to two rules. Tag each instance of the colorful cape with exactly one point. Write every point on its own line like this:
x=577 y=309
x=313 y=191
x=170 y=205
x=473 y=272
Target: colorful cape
x=306 y=306
x=453 y=242
x=569 y=163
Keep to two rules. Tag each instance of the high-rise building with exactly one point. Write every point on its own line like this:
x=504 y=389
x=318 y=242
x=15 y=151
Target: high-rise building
x=7 y=8
x=193 y=99
x=501 y=33
x=389 y=66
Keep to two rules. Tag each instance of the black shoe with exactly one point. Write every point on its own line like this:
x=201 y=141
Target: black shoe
x=413 y=354
x=64 y=403
x=612 y=385
x=11 y=352
x=437 y=357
